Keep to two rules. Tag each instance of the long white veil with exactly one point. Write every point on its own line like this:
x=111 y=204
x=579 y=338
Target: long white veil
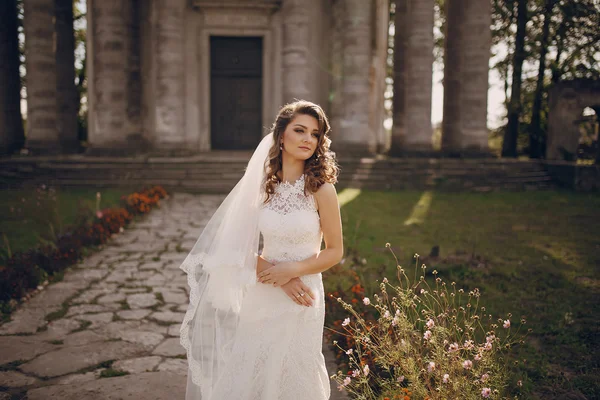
x=220 y=266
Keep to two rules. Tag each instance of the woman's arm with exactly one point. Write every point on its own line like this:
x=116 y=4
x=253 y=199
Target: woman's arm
x=331 y=225
x=262 y=265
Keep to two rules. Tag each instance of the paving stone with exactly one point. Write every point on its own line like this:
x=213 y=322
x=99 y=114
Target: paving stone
x=128 y=265
x=144 y=338
x=112 y=307
x=148 y=385
x=73 y=358
x=176 y=365
x=59 y=328
x=85 y=309
x=132 y=290
x=88 y=296
x=83 y=337
x=75 y=379
x=151 y=265
x=119 y=276
x=175 y=297
x=97 y=319
x=182 y=308
x=170 y=348
x=141 y=276
x=115 y=329
x=32 y=314
x=111 y=298
x=174 y=330
x=141 y=300
x=85 y=274
x=167 y=316
x=15 y=379
x=133 y=314
x=14 y=348
x=137 y=365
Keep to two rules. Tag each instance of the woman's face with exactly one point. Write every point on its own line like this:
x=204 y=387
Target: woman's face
x=301 y=137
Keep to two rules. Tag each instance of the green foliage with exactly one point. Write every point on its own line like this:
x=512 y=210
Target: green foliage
x=532 y=253
x=430 y=342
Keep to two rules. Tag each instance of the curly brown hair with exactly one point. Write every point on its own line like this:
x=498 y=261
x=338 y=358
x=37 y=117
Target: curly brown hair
x=321 y=167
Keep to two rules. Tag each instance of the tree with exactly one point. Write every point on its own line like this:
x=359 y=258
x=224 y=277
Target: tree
x=12 y=136
x=536 y=136
x=509 y=145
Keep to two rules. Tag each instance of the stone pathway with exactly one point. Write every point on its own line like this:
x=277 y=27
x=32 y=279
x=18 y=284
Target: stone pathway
x=110 y=329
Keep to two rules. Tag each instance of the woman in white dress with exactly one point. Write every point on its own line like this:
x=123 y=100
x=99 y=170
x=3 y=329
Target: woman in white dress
x=259 y=336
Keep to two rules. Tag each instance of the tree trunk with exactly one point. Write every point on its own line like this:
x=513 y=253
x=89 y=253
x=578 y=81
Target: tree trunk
x=509 y=145
x=536 y=139
x=67 y=97
x=12 y=137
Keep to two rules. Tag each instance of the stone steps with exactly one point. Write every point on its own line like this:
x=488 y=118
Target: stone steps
x=207 y=173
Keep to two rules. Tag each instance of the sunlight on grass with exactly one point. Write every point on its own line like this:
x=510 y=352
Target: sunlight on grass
x=533 y=253
x=347 y=195
x=420 y=210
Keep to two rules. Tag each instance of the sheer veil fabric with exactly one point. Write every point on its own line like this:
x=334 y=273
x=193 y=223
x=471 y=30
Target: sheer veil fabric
x=220 y=267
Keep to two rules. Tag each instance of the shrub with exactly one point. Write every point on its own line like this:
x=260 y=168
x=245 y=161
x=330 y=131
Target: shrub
x=24 y=271
x=412 y=340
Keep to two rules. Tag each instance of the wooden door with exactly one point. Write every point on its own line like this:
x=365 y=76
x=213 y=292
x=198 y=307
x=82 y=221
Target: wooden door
x=235 y=92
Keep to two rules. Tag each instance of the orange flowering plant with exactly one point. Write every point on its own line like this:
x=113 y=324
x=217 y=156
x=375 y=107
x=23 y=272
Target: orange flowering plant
x=428 y=342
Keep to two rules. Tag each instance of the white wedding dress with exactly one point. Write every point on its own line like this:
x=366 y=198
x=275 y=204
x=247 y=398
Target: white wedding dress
x=277 y=350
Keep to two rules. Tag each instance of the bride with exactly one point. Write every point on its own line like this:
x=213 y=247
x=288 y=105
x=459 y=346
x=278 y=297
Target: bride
x=254 y=326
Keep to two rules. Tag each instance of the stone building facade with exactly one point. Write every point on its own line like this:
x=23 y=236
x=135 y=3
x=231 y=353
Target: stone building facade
x=186 y=76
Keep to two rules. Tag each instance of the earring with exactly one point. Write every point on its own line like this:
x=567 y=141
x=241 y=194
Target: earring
x=281 y=146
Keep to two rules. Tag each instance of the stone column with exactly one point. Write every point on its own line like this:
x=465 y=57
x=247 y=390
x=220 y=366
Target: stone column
x=296 y=38
x=108 y=59
x=12 y=136
x=114 y=78
x=467 y=54
x=42 y=132
x=169 y=86
x=354 y=132
x=413 y=72
x=67 y=97
x=379 y=74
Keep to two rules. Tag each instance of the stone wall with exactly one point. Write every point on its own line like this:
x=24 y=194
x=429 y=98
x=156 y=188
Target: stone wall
x=584 y=178
x=567 y=101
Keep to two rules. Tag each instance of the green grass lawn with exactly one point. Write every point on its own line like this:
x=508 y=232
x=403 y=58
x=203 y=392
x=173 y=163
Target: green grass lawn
x=32 y=216
x=530 y=253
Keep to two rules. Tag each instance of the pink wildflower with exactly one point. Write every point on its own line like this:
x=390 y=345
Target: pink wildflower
x=346 y=322
x=366 y=301
x=427 y=335
x=347 y=381
x=467 y=364
x=506 y=324
x=430 y=324
x=485 y=392
x=366 y=369
x=431 y=367
x=446 y=378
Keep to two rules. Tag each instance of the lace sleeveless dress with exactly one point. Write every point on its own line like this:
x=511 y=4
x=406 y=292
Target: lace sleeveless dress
x=277 y=352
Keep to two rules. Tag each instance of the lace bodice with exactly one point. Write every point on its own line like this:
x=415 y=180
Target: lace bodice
x=290 y=224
